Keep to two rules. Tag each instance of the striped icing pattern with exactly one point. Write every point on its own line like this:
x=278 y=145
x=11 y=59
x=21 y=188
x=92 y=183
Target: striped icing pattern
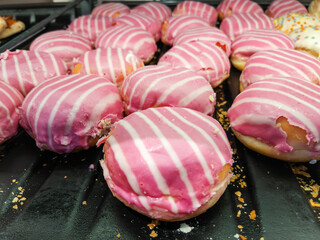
x=128 y=37
x=113 y=10
x=203 y=10
x=281 y=7
x=314 y=7
x=204 y=34
x=280 y=62
x=174 y=25
x=112 y=63
x=160 y=86
x=254 y=111
x=204 y=58
x=25 y=69
x=250 y=42
x=66 y=112
x=152 y=157
x=62 y=43
x=228 y=7
x=150 y=24
x=154 y=9
x=239 y=23
x=10 y=100
x=90 y=26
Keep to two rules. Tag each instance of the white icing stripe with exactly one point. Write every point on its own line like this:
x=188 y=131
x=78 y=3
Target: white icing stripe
x=6 y=93
x=62 y=42
x=56 y=49
x=20 y=80
x=122 y=63
x=4 y=71
x=43 y=66
x=5 y=108
x=55 y=65
x=98 y=61
x=270 y=67
x=192 y=96
x=31 y=71
x=87 y=62
x=178 y=57
x=111 y=67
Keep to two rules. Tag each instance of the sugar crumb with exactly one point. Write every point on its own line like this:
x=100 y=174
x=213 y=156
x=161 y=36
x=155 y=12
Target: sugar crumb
x=153 y=234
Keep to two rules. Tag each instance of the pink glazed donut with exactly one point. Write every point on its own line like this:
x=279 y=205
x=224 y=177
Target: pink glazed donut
x=250 y=42
x=154 y=9
x=113 y=63
x=161 y=86
x=279 y=117
x=228 y=7
x=167 y=163
x=281 y=7
x=10 y=100
x=204 y=34
x=113 y=10
x=24 y=69
x=239 y=23
x=136 y=39
x=199 y=9
x=204 y=58
x=280 y=63
x=62 y=43
x=71 y=112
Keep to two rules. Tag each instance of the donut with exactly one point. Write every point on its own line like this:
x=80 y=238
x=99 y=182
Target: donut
x=279 y=117
x=10 y=101
x=136 y=39
x=314 y=8
x=150 y=24
x=228 y=7
x=250 y=42
x=307 y=39
x=167 y=163
x=90 y=26
x=204 y=34
x=161 y=86
x=113 y=63
x=24 y=69
x=239 y=23
x=154 y=9
x=209 y=13
x=204 y=58
x=281 y=7
x=280 y=63
x=291 y=21
x=113 y=10
x=62 y=43
x=71 y=112
x=174 y=25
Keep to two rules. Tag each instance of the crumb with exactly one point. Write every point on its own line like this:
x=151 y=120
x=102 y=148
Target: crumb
x=1 y=191
x=211 y=98
x=242 y=237
x=238 y=193
x=91 y=166
x=240 y=206
x=240 y=226
x=14 y=180
x=15 y=207
x=44 y=165
x=118 y=235
x=301 y=170
x=262 y=238
x=65 y=176
x=240 y=199
x=213 y=225
x=253 y=215
x=22 y=199
x=15 y=200
x=239 y=213
x=153 y=224
x=84 y=203
x=153 y=234
x=314 y=204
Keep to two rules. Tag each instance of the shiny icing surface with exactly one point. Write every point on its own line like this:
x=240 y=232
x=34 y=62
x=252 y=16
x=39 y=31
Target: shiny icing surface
x=24 y=69
x=206 y=59
x=10 y=100
x=280 y=7
x=228 y=7
x=141 y=42
x=113 y=63
x=160 y=86
x=204 y=34
x=239 y=23
x=255 y=111
x=154 y=9
x=113 y=10
x=280 y=62
x=209 y=13
x=314 y=7
x=66 y=112
x=165 y=161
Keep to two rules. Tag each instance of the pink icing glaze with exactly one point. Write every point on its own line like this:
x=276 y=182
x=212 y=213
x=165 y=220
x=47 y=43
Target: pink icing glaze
x=205 y=58
x=90 y=26
x=257 y=40
x=145 y=22
x=255 y=111
x=280 y=7
x=154 y=9
x=10 y=100
x=209 y=13
x=128 y=37
x=204 y=34
x=164 y=161
x=113 y=63
x=25 y=69
x=159 y=86
x=228 y=7
x=239 y=23
x=113 y=10
x=62 y=43
x=174 y=25
x=64 y=112
x=280 y=63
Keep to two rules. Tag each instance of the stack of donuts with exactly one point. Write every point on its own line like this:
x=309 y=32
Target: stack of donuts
x=165 y=155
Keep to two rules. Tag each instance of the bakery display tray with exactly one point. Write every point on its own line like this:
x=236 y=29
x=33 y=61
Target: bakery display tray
x=44 y=195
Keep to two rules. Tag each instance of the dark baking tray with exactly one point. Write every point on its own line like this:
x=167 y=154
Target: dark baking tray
x=66 y=197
